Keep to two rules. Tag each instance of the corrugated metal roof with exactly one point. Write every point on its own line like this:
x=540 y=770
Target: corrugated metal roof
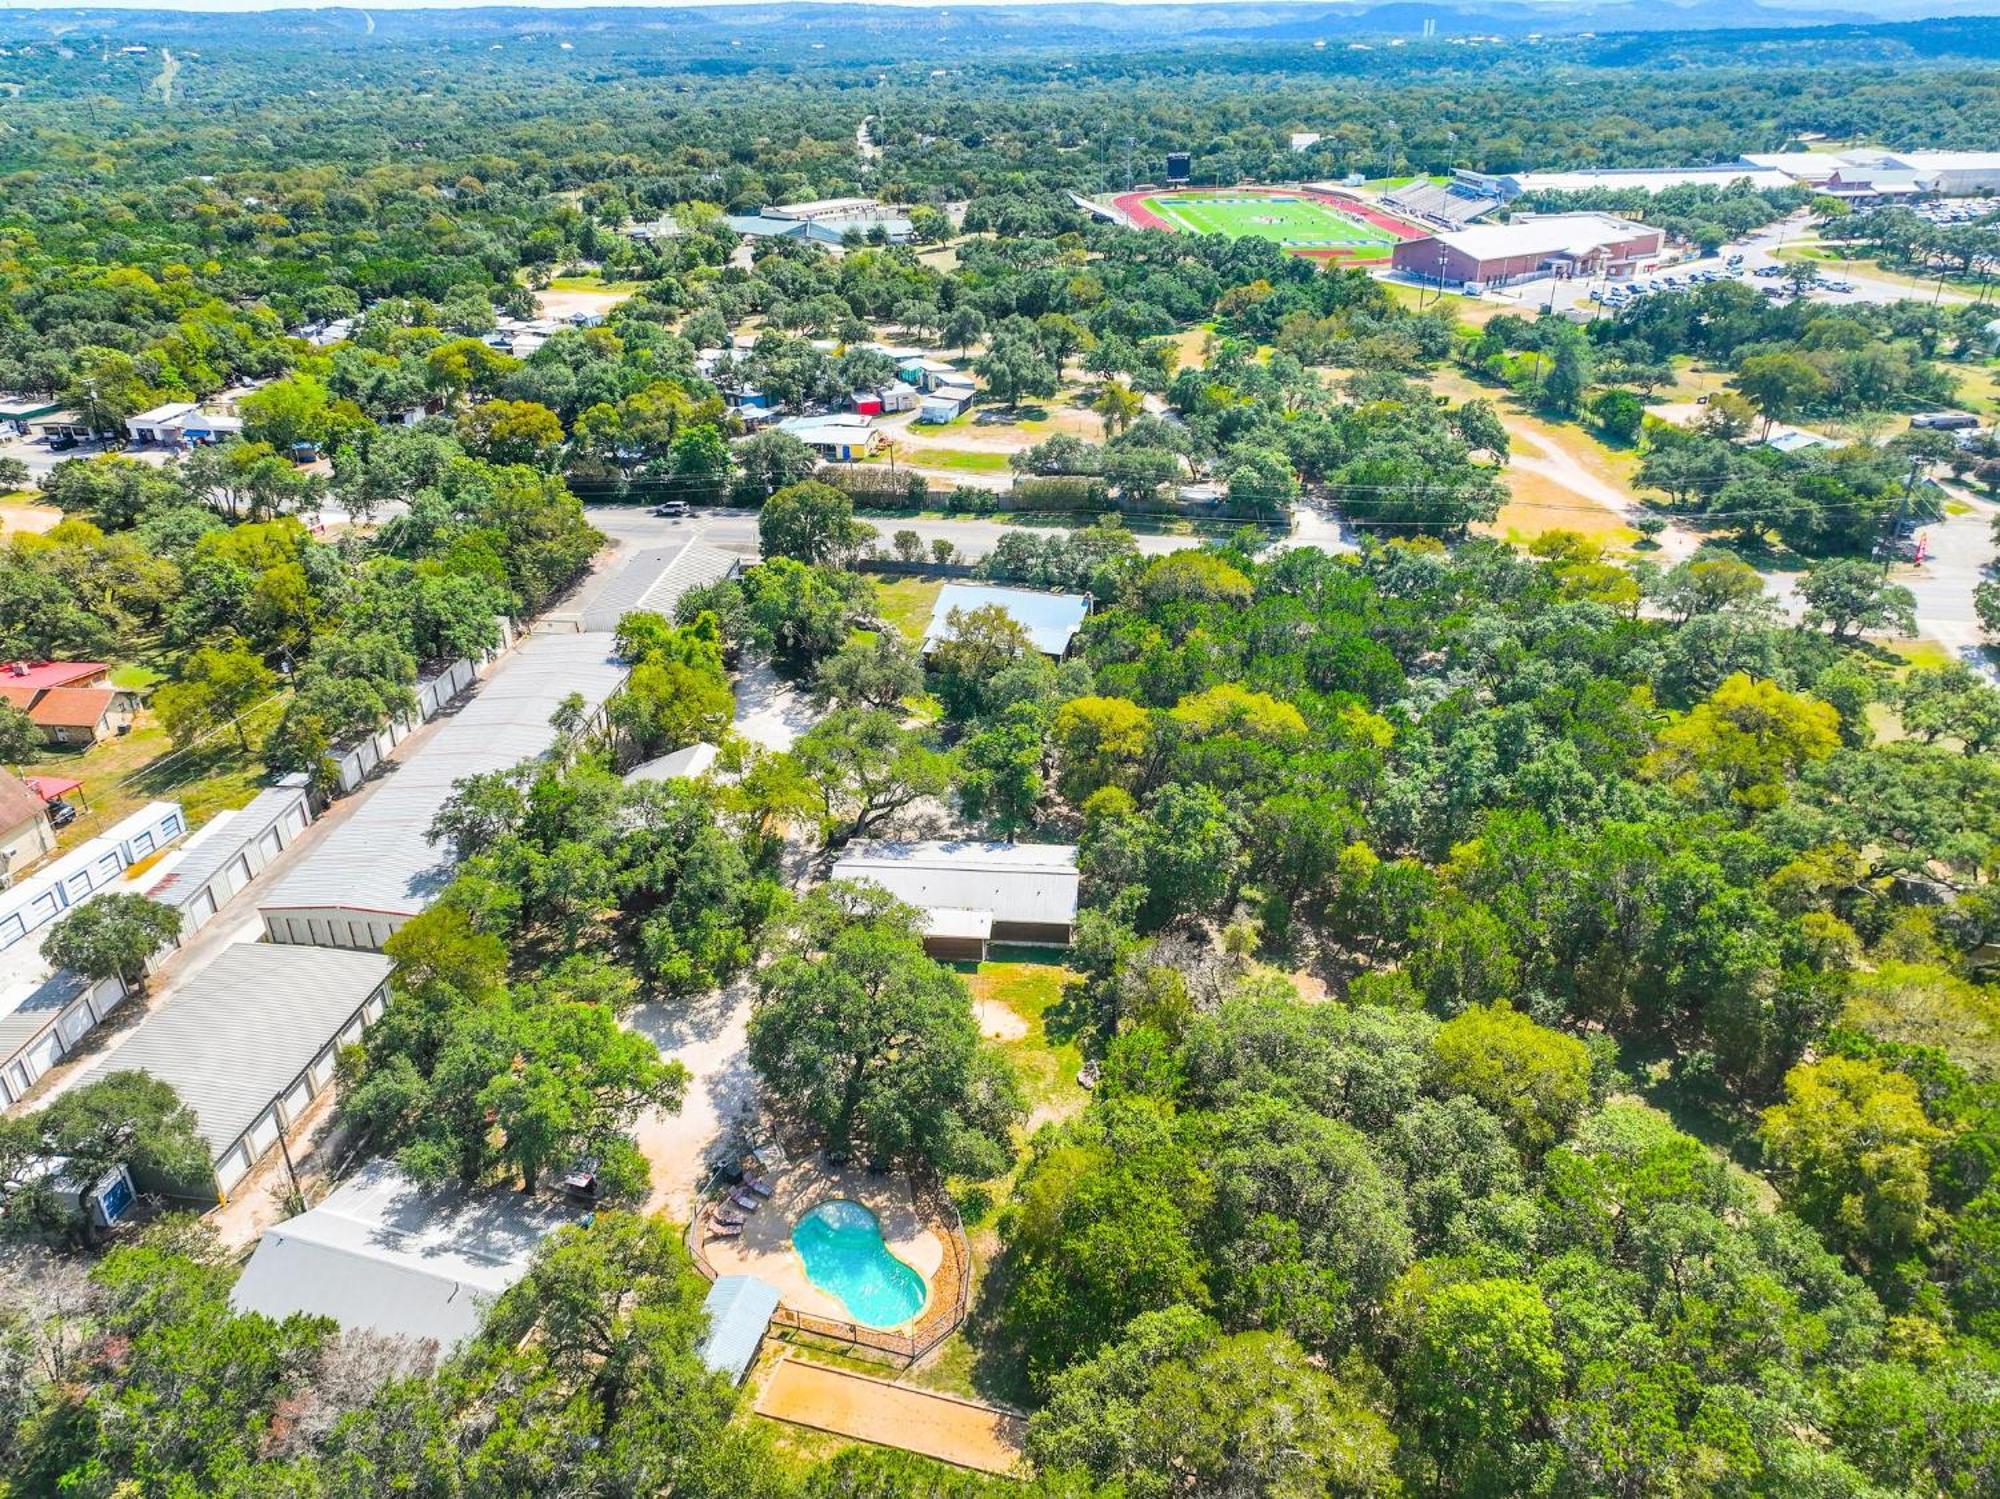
x=245 y=826
x=381 y=860
x=1051 y=619
x=739 y=1309
x=682 y=764
x=1033 y=882
x=655 y=579
x=390 y=1255
x=244 y=1027
x=38 y=1008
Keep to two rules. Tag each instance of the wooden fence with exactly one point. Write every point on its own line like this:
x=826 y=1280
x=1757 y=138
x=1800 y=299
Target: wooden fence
x=944 y=1312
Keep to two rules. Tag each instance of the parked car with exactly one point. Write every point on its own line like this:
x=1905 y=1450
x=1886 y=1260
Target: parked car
x=672 y=507
x=61 y=814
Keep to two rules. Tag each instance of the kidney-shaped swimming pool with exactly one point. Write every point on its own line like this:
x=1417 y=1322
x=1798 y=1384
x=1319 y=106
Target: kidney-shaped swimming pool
x=841 y=1244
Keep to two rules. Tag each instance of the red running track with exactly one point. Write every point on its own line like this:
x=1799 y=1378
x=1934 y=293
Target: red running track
x=1133 y=206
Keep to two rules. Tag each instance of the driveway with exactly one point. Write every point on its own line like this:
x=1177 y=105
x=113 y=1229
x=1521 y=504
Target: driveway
x=1959 y=555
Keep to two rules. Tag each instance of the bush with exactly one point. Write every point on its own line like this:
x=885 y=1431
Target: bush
x=1066 y=494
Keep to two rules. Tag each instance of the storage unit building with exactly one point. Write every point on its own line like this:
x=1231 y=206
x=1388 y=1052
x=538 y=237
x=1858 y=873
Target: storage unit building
x=86 y=869
x=232 y=849
x=248 y=1042
x=973 y=894
x=389 y=1255
x=379 y=868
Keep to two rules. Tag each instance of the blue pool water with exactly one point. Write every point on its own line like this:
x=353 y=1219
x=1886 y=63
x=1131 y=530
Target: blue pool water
x=841 y=1243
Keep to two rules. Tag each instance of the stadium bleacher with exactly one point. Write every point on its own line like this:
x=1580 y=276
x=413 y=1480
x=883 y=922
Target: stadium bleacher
x=1450 y=205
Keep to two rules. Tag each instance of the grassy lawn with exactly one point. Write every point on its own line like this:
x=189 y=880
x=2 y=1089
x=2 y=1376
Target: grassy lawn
x=964 y=459
x=1927 y=653
x=1024 y=1000
x=1978 y=384
x=125 y=772
x=594 y=282
x=1474 y=312
x=1045 y=1056
x=1873 y=269
x=906 y=603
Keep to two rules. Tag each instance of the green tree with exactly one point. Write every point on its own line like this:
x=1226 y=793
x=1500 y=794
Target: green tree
x=217 y=685
x=1479 y=1369
x=20 y=740
x=1175 y=1405
x=864 y=766
x=811 y=523
x=125 y=1119
x=874 y=1045
x=111 y=936
x=1854 y=1147
x=1535 y=1080
x=1848 y=596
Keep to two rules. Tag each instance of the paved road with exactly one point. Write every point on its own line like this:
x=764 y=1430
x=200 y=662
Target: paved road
x=1958 y=555
x=736 y=530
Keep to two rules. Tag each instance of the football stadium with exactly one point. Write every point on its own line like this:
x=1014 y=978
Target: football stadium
x=1304 y=222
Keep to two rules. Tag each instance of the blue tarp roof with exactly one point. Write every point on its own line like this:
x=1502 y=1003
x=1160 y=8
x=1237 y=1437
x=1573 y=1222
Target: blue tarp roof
x=739 y=1308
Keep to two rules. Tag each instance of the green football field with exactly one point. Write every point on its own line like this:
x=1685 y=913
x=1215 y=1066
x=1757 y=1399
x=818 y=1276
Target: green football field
x=1296 y=223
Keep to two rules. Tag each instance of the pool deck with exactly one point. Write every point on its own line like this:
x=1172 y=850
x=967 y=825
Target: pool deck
x=765 y=1247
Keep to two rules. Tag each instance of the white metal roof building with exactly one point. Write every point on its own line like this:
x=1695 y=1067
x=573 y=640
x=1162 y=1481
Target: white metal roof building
x=679 y=765
x=739 y=1309
x=248 y=1042
x=1955 y=173
x=380 y=868
x=1644 y=179
x=390 y=1255
x=1051 y=619
x=655 y=580
x=973 y=893
x=231 y=850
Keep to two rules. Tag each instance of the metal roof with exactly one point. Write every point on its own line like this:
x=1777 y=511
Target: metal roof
x=682 y=764
x=1542 y=234
x=655 y=579
x=210 y=850
x=381 y=860
x=1034 y=882
x=739 y=1309
x=36 y=1004
x=1051 y=619
x=242 y=1029
x=391 y=1255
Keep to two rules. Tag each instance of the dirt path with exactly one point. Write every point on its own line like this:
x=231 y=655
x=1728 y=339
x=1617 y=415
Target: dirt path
x=873 y=1410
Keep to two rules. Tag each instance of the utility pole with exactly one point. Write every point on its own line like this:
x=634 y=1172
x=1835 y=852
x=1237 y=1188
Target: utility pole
x=1902 y=510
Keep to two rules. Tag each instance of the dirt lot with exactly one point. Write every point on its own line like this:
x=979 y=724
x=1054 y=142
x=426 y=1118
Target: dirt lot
x=873 y=1410
x=562 y=303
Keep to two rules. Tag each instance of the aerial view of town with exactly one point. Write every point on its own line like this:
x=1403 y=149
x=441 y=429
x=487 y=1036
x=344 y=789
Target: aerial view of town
x=820 y=750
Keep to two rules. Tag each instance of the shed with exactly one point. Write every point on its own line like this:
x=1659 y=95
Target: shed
x=1051 y=619
x=739 y=1309
x=248 y=1042
x=973 y=894
x=390 y=1255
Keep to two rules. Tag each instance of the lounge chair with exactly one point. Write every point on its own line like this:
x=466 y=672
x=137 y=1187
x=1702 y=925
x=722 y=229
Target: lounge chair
x=726 y=1215
x=746 y=1200
x=721 y=1231
x=760 y=1187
